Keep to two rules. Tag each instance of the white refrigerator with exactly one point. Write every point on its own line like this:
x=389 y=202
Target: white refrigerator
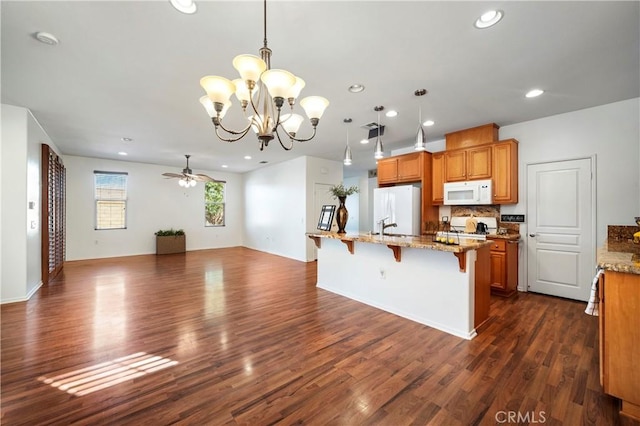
x=399 y=205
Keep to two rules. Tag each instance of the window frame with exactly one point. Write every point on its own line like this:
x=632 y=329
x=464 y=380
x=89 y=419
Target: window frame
x=97 y=200
x=207 y=224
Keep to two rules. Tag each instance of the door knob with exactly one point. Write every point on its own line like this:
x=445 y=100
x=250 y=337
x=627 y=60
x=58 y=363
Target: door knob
x=532 y=235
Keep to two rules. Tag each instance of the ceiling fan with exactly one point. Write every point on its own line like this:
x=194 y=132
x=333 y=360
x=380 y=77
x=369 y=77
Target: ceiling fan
x=188 y=178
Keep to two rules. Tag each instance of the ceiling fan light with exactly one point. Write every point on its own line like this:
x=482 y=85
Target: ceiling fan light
x=219 y=89
x=250 y=67
x=314 y=106
x=192 y=183
x=278 y=82
x=291 y=123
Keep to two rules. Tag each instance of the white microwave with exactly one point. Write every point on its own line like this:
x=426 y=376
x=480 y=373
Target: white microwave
x=468 y=193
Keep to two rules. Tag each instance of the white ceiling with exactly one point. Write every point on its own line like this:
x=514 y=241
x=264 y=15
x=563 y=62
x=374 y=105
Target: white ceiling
x=132 y=69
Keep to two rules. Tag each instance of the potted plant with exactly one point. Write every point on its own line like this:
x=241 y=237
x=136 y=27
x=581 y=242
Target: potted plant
x=170 y=241
x=341 y=193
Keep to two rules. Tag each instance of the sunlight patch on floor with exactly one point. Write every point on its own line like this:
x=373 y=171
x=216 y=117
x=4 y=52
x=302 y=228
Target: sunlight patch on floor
x=101 y=376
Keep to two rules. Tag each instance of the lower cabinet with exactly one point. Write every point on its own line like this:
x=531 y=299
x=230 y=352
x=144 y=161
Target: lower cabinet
x=504 y=267
x=620 y=339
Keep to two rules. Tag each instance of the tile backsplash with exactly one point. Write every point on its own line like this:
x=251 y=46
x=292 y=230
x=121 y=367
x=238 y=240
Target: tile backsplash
x=485 y=211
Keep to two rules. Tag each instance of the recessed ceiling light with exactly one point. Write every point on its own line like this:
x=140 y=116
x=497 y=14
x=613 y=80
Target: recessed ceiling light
x=184 y=6
x=224 y=166
x=46 y=38
x=247 y=157
x=126 y=139
x=391 y=113
x=534 y=93
x=364 y=141
x=429 y=123
x=122 y=153
x=489 y=19
x=356 y=88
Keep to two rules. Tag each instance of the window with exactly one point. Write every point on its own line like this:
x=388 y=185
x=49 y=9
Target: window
x=214 y=204
x=111 y=200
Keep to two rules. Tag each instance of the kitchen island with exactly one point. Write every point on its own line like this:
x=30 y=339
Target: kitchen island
x=443 y=286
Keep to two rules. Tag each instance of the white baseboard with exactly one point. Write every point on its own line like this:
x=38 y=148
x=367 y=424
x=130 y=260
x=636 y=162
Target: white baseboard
x=22 y=299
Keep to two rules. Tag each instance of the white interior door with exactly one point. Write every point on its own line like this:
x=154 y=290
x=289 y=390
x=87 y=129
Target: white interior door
x=321 y=197
x=560 y=243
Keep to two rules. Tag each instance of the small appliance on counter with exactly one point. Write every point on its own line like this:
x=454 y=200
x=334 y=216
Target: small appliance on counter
x=484 y=226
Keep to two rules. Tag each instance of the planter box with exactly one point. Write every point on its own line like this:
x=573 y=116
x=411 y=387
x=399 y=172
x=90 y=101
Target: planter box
x=170 y=244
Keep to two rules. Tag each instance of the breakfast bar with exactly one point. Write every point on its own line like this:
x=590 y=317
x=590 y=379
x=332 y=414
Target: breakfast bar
x=444 y=286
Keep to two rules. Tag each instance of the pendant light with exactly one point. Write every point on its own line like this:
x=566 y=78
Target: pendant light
x=379 y=152
x=421 y=140
x=347 y=151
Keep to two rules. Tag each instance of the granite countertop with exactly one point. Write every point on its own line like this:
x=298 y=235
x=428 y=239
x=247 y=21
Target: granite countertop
x=620 y=256
x=422 y=242
x=508 y=237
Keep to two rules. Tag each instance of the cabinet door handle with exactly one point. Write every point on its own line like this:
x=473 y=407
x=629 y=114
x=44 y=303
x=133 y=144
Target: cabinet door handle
x=532 y=235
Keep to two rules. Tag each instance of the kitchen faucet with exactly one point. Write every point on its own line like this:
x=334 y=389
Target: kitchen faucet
x=384 y=226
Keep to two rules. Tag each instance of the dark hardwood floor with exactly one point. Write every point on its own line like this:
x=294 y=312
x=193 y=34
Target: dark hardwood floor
x=236 y=336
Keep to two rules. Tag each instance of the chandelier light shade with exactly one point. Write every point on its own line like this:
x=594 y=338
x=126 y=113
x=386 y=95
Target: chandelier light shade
x=261 y=107
x=379 y=151
x=347 y=151
x=421 y=139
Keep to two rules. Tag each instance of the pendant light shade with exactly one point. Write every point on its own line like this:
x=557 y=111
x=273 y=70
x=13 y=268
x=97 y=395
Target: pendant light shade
x=421 y=139
x=420 y=144
x=379 y=151
x=347 y=151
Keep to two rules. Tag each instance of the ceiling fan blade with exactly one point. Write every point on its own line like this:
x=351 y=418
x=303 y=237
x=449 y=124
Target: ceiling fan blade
x=172 y=175
x=205 y=178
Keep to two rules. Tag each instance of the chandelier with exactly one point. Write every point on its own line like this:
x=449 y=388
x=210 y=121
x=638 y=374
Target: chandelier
x=262 y=108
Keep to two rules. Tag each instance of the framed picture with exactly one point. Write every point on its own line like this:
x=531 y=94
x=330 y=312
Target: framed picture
x=326 y=217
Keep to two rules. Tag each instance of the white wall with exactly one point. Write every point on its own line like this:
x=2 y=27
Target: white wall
x=154 y=203
x=611 y=133
x=21 y=226
x=279 y=205
x=318 y=171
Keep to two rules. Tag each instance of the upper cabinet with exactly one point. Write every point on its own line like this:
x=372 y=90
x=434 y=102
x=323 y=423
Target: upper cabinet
x=474 y=154
x=468 y=164
x=505 y=172
x=387 y=170
x=401 y=168
x=414 y=168
x=469 y=138
x=437 y=181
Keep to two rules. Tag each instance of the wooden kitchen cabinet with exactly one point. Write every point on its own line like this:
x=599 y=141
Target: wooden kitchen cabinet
x=505 y=172
x=401 y=168
x=504 y=267
x=412 y=168
x=387 y=170
x=468 y=164
x=437 y=178
x=619 y=325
